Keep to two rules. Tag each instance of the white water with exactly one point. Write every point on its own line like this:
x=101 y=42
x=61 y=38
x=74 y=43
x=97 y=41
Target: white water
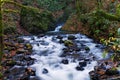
x=58 y=28
x=47 y=56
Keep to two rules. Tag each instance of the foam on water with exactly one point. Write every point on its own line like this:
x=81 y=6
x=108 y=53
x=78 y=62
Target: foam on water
x=47 y=50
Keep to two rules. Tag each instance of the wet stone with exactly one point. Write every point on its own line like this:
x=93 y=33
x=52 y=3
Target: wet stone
x=20 y=51
x=111 y=72
x=65 y=61
x=87 y=48
x=20 y=40
x=87 y=59
x=10 y=63
x=28 y=58
x=59 y=37
x=38 y=44
x=93 y=76
x=71 y=37
x=17 y=70
x=79 y=68
x=41 y=35
x=61 y=41
x=45 y=71
x=25 y=77
x=30 y=71
x=83 y=63
x=32 y=38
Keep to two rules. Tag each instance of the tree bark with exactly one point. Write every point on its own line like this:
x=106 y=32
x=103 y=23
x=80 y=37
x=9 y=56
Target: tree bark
x=1 y=32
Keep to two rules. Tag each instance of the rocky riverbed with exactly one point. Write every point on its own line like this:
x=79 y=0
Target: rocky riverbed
x=16 y=59
x=54 y=57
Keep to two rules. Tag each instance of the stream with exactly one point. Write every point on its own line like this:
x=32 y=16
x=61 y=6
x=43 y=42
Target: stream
x=55 y=61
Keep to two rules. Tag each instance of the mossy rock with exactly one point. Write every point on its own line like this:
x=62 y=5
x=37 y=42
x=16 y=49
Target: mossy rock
x=35 y=21
x=11 y=63
x=1 y=75
x=9 y=30
x=68 y=43
x=28 y=46
x=87 y=48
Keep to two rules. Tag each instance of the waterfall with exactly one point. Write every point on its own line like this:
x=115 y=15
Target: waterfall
x=57 y=29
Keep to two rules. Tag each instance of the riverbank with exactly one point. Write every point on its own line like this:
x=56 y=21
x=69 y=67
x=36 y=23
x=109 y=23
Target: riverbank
x=16 y=59
x=75 y=51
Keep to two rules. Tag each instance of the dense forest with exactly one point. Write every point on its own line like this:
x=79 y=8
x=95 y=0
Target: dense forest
x=59 y=39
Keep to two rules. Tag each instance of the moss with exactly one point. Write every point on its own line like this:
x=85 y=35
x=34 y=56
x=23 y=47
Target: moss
x=35 y=21
x=28 y=46
x=1 y=75
x=9 y=30
x=68 y=43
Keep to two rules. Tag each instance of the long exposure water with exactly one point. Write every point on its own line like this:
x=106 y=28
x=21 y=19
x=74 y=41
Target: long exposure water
x=47 y=51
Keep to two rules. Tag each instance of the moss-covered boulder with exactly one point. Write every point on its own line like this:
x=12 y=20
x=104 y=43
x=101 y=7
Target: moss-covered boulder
x=68 y=43
x=36 y=21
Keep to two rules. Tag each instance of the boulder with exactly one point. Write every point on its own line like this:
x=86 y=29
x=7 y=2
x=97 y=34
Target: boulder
x=83 y=63
x=79 y=68
x=59 y=37
x=28 y=46
x=105 y=70
x=71 y=37
x=30 y=71
x=45 y=71
x=20 y=51
x=65 y=61
x=68 y=43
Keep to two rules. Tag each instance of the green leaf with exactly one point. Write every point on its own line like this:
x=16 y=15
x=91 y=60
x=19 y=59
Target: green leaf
x=118 y=31
x=104 y=54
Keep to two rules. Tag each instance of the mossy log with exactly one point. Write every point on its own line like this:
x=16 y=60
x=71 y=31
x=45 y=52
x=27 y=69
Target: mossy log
x=106 y=15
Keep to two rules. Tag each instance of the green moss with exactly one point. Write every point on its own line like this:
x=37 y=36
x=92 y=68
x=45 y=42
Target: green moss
x=68 y=43
x=35 y=21
x=9 y=30
x=1 y=75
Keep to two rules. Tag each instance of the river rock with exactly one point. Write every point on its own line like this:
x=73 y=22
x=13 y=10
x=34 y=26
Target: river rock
x=93 y=75
x=32 y=38
x=20 y=51
x=105 y=70
x=28 y=46
x=45 y=71
x=65 y=61
x=41 y=35
x=59 y=37
x=79 y=68
x=111 y=72
x=71 y=37
x=17 y=70
x=61 y=41
x=87 y=48
x=68 y=43
x=30 y=71
x=83 y=63
x=10 y=63
x=23 y=60
x=20 y=40
x=25 y=77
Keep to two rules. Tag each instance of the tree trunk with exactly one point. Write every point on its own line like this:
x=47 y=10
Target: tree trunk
x=1 y=32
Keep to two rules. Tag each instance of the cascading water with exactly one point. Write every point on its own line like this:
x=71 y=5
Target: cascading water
x=48 y=50
x=58 y=28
